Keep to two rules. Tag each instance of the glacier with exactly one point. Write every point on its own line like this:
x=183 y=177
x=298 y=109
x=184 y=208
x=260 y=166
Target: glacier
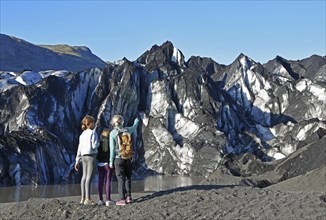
x=195 y=114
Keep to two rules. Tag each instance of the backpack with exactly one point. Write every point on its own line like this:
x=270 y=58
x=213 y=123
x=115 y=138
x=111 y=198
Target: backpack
x=124 y=145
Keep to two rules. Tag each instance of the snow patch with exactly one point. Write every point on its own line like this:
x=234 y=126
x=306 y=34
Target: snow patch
x=265 y=132
x=60 y=74
x=162 y=136
x=285 y=102
x=145 y=118
x=318 y=91
x=185 y=127
x=189 y=108
x=287 y=149
x=7 y=75
x=186 y=156
x=243 y=61
x=275 y=154
x=28 y=78
x=177 y=57
x=302 y=85
x=118 y=62
x=282 y=70
x=303 y=132
x=158 y=99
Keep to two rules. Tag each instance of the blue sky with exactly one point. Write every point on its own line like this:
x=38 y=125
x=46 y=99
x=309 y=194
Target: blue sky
x=217 y=29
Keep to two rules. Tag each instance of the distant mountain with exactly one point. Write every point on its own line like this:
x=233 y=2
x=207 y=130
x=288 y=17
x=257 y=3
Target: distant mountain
x=18 y=55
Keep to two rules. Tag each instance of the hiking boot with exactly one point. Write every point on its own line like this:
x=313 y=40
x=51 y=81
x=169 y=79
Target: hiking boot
x=109 y=202
x=89 y=202
x=121 y=202
x=100 y=202
x=129 y=200
x=82 y=201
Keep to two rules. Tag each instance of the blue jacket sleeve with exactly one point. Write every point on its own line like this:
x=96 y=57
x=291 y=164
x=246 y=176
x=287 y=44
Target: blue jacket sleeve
x=112 y=144
x=133 y=128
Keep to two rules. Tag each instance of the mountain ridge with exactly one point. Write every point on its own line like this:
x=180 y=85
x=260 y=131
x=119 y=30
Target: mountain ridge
x=88 y=60
x=195 y=114
x=18 y=55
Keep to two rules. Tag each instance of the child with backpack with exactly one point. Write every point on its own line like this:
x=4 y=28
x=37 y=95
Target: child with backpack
x=121 y=155
x=104 y=171
x=86 y=153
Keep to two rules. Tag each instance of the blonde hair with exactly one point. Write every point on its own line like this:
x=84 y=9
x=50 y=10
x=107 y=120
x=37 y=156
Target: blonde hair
x=87 y=122
x=117 y=120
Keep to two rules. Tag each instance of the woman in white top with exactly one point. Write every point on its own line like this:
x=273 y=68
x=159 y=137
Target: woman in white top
x=87 y=151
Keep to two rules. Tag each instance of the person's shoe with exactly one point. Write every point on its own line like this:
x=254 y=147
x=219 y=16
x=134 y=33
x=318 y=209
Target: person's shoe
x=109 y=202
x=82 y=201
x=89 y=202
x=129 y=200
x=121 y=202
x=100 y=202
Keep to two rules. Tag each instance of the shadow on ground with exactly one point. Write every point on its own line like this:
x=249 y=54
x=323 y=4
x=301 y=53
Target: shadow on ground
x=181 y=189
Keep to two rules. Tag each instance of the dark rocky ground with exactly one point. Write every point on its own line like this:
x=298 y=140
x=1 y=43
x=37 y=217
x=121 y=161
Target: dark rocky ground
x=193 y=202
x=221 y=196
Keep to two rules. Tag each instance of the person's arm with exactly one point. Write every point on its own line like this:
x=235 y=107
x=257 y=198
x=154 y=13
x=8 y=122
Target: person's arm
x=94 y=140
x=133 y=128
x=78 y=156
x=112 y=145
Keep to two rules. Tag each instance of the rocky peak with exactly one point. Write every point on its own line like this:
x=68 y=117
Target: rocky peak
x=206 y=64
x=281 y=69
x=168 y=45
x=312 y=66
x=239 y=71
x=242 y=61
x=165 y=59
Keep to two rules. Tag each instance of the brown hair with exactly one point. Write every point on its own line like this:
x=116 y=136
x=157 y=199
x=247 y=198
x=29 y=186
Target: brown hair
x=105 y=132
x=87 y=122
x=104 y=140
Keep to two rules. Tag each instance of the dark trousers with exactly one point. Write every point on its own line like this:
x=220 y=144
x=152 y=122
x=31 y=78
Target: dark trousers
x=104 y=179
x=123 y=171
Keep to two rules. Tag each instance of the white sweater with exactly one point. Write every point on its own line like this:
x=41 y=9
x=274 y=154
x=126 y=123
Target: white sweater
x=88 y=143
